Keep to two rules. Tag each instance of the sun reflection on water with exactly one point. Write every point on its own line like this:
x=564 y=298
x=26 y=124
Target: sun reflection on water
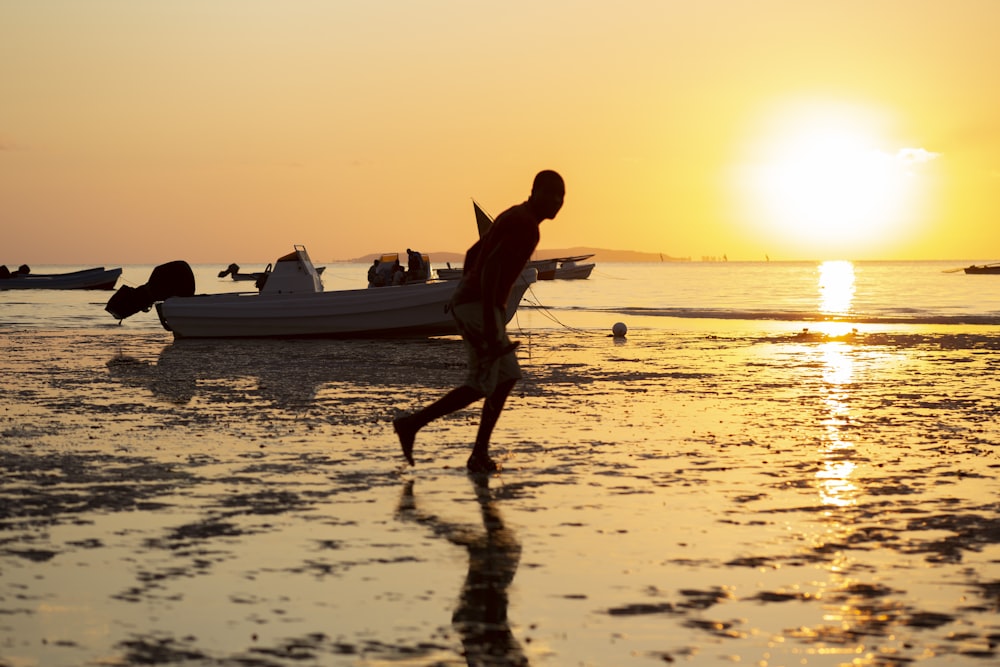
x=834 y=479
x=836 y=287
x=836 y=295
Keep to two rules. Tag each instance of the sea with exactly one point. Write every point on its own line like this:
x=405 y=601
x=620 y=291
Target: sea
x=830 y=295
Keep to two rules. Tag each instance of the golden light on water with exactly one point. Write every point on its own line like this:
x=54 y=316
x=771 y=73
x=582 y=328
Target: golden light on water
x=834 y=479
x=835 y=296
x=836 y=287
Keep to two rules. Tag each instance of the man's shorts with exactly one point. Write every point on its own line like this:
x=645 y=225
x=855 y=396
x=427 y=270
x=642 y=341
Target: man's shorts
x=484 y=373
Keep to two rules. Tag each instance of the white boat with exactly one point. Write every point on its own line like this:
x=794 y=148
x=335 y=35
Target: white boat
x=95 y=278
x=573 y=271
x=292 y=304
x=563 y=268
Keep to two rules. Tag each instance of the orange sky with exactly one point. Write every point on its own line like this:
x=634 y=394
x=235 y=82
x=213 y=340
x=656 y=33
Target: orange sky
x=214 y=131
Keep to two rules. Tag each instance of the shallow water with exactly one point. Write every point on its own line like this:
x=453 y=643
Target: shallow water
x=651 y=295
x=701 y=493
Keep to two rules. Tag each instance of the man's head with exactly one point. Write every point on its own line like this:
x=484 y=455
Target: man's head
x=547 y=193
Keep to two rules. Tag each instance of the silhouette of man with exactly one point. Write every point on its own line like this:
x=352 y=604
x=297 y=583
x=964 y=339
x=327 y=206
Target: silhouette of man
x=373 y=277
x=481 y=614
x=491 y=266
x=414 y=266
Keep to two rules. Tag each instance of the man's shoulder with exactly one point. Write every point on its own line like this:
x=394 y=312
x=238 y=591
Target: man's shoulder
x=516 y=211
x=517 y=216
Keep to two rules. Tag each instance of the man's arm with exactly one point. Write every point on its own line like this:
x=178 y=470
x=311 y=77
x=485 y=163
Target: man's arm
x=500 y=267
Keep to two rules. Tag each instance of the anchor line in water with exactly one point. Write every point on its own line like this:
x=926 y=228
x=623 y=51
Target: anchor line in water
x=547 y=313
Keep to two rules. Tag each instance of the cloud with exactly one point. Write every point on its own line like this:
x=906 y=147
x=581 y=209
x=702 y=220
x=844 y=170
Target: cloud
x=911 y=156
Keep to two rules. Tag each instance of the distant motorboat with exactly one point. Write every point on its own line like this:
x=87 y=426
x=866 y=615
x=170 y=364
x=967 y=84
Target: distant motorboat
x=563 y=268
x=983 y=269
x=449 y=273
x=570 y=270
x=97 y=278
x=292 y=304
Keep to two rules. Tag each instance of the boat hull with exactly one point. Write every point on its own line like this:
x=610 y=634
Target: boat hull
x=416 y=310
x=578 y=272
x=562 y=268
x=90 y=279
x=983 y=270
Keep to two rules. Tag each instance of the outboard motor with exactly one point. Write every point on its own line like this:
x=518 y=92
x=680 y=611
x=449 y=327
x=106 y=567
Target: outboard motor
x=166 y=280
x=232 y=269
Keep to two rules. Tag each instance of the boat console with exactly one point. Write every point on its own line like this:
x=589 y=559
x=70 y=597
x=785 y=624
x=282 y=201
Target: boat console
x=292 y=274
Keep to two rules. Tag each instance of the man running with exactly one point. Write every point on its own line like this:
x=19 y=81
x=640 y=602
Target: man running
x=491 y=266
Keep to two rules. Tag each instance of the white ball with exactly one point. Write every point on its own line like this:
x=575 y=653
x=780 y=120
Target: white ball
x=619 y=329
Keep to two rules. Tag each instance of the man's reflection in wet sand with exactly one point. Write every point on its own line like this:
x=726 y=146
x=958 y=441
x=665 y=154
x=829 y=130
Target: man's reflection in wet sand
x=481 y=616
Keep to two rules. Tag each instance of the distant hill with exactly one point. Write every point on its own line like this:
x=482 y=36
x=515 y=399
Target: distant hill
x=599 y=255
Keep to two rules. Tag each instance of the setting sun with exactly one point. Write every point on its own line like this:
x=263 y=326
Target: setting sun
x=823 y=182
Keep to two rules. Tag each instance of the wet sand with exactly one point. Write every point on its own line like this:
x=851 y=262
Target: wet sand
x=677 y=497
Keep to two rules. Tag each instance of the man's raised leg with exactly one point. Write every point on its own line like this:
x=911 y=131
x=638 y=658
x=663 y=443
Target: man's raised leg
x=406 y=427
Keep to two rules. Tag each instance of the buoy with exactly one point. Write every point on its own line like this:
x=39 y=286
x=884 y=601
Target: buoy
x=619 y=329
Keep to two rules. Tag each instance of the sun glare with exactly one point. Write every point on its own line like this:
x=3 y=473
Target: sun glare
x=836 y=287
x=823 y=182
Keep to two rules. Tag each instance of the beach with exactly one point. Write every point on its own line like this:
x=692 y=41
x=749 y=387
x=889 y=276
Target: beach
x=692 y=494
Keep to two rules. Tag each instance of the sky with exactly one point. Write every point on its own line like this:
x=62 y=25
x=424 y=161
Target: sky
x=229 y=130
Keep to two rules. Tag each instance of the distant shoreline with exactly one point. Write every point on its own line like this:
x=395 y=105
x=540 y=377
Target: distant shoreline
x=599 y=255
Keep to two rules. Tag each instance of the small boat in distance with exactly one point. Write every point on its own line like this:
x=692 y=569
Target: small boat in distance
x=570 y=270
x=98 y=278
x=983 y=269
x=449 y=273
x=563 y=268
x=292 y=304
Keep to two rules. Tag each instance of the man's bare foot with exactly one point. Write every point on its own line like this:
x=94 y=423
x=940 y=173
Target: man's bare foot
x=482 y=463
x=407 y=435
